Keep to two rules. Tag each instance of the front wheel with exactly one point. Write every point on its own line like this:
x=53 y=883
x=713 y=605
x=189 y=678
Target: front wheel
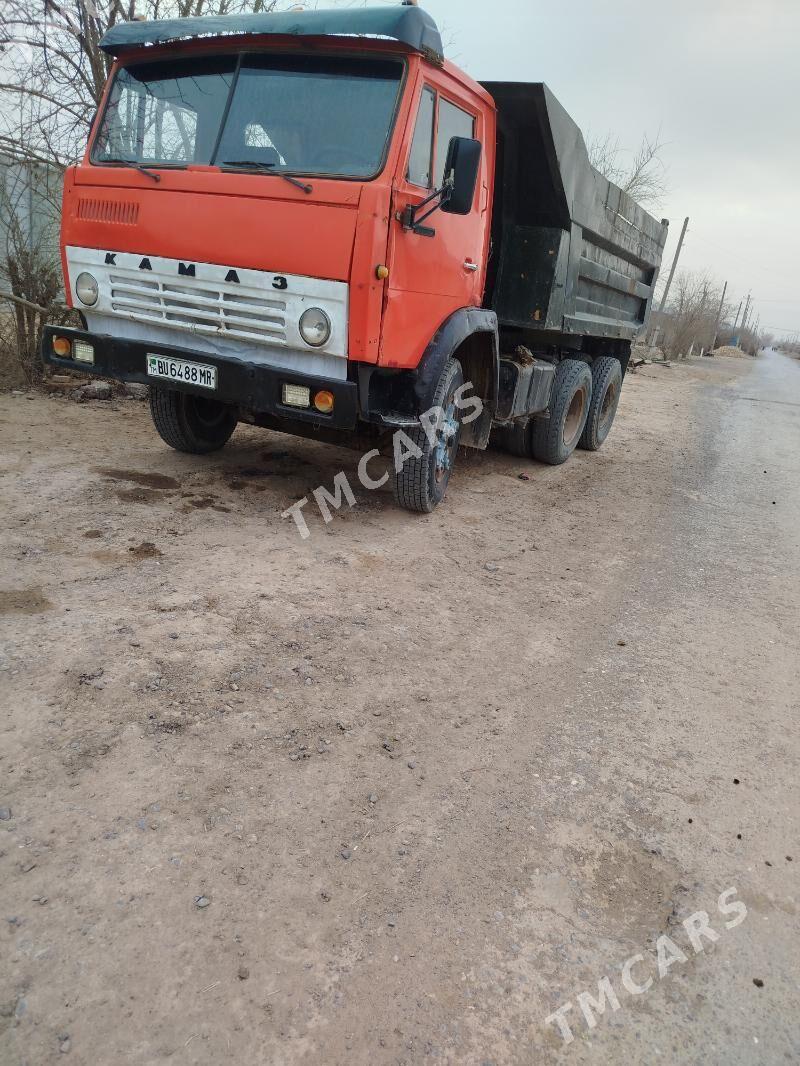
x=194 y=424
x=429 y=452
x=554 y=439
x=606 y=390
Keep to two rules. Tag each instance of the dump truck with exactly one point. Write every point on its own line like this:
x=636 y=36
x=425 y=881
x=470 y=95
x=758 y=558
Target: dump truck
x=312 y=222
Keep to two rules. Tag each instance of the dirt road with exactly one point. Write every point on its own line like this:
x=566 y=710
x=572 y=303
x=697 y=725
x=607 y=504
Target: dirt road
x=400 y=792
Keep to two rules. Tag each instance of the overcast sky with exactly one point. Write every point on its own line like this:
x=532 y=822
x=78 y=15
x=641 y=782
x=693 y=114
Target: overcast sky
x=719 y=78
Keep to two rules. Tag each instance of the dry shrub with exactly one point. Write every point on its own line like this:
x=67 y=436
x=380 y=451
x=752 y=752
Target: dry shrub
x=32 y=275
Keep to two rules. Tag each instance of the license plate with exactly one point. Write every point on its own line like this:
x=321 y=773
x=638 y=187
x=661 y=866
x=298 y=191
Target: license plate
x=162 y=366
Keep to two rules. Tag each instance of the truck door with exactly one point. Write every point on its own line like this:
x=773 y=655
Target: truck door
x=431 y=277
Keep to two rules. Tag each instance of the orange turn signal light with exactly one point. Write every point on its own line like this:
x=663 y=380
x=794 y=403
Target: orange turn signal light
x=62 y=347
x=324 y=401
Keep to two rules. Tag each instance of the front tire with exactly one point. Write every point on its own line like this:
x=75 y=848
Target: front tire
x=194 y=424
x=554 y=439
x=606 y=391
x=422 y=482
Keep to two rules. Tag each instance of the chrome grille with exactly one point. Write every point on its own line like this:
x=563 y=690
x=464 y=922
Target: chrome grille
x=202 y=306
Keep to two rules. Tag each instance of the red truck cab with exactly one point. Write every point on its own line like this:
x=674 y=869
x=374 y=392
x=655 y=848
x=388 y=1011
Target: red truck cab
x=286 y=219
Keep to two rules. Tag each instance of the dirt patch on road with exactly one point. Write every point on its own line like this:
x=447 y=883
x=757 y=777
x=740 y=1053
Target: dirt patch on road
x=24 y=601
x=389 y=795
x=146 y=550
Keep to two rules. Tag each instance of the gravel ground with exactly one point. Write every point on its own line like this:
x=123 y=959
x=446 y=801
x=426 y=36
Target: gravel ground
x=397 y=793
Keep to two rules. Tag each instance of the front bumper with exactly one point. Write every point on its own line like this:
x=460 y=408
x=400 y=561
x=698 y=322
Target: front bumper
x=250 y=386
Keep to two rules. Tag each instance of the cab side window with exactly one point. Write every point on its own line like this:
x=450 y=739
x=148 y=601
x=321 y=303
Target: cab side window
x=420 y=164
x=453 y=122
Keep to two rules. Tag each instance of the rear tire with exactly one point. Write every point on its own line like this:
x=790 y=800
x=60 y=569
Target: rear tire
x=554 y=439
x=606 y=391
x=422 y=483
x=193 y=424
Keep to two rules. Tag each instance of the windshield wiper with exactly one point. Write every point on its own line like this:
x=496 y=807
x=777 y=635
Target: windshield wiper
x=134 y=166
x=255 y=165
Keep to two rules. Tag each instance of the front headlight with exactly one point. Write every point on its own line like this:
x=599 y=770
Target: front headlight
x=87 y=289
x=315 y=327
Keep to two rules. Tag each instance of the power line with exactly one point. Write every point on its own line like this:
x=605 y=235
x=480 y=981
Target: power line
x=782 y=329
x=735 y=256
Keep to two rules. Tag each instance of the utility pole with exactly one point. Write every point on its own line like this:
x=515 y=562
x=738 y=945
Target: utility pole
x=736 y=320
x=674 y=266
x=719 y=316
x=746 y=312
x=678 y=250
x=756 y=335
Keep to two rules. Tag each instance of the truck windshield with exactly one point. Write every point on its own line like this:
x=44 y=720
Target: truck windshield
x=314 y=115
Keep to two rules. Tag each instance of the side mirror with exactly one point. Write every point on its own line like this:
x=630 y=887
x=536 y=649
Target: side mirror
x=461 y=175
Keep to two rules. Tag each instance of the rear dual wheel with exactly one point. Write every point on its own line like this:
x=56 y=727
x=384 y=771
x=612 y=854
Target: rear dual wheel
x=583 y=405
x=554 y=439
x=606 y=391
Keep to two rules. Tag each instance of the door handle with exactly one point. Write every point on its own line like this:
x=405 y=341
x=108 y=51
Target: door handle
x=470 y=266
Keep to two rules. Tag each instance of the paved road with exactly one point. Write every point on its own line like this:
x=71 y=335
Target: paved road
x=698 y=736
x=436 y=778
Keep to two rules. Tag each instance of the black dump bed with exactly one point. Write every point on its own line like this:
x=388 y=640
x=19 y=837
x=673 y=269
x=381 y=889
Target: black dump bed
x=573 y=255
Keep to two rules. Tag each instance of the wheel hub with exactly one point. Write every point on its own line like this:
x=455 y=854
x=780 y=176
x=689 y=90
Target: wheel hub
x=573 y=423
x=609 y=400
x=446 y=438
x=209 y=413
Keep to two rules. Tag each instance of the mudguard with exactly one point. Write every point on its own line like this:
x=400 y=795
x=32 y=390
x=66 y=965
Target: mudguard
x=472 y=333
x=397 y=399
x=462 y=325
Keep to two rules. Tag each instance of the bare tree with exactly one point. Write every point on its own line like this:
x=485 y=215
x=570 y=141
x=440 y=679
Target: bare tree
x=691 y=316
x=52 y=76
x=33 y=271
x=29 y=264
x=53 y=71
x=690 y=320
x=642 y=174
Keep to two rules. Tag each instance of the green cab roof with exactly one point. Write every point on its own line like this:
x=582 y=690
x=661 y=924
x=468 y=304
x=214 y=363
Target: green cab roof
x=409 y=25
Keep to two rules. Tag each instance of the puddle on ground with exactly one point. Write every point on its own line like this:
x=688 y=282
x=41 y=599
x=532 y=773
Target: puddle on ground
x=145 y=550
x=23 y=601
x=236 y=484
x=149 y=481
x=140 y=496
x=278 y=457
x=93 y=534
x=257 y=472
x=203 y=503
